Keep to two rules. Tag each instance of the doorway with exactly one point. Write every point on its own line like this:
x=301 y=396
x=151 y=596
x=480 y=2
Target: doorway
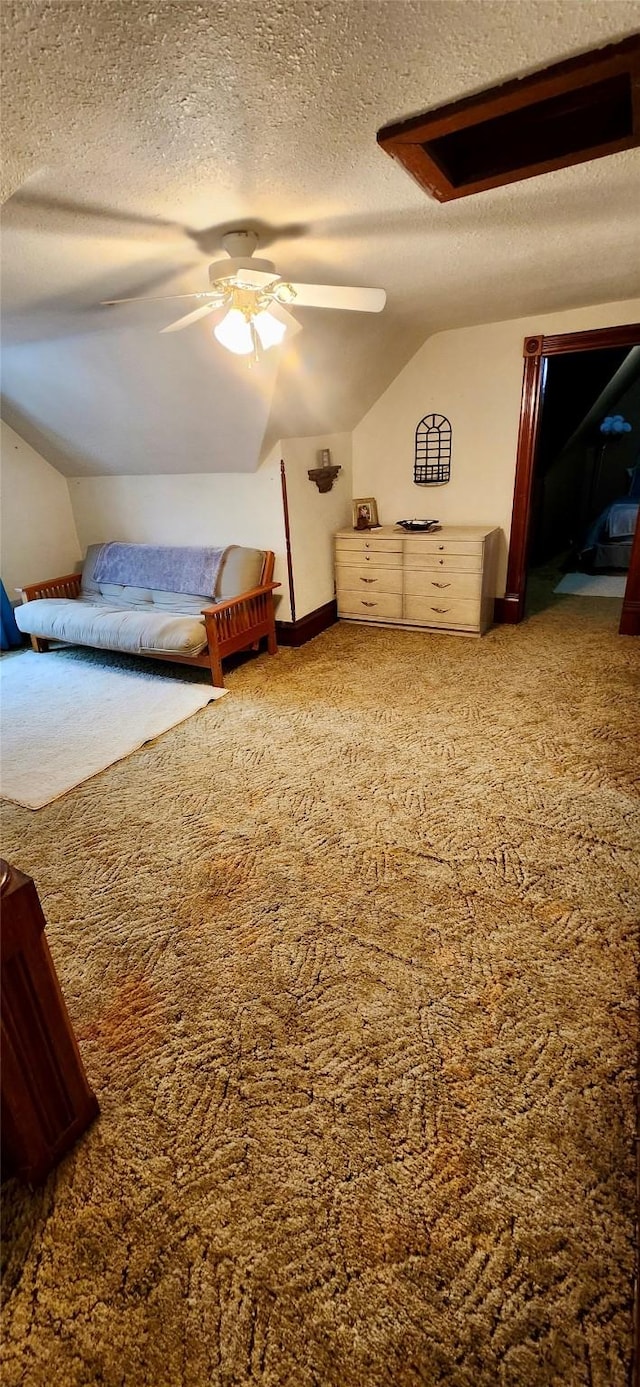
x=585 y=491
x=538 y=351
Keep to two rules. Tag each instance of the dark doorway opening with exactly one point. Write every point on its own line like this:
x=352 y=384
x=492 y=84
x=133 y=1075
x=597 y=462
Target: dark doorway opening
x=585 y=489
x=537 y=351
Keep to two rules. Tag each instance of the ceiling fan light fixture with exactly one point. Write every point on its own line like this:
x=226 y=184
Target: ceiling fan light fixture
x=269 y=330
x=254 y=297
x=234 y=333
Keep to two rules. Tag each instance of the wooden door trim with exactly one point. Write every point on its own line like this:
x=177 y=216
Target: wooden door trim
x=536 y=351
x=630 y=618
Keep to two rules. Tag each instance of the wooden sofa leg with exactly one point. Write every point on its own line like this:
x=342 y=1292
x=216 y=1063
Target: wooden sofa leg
x=39 y=644
x=272 y=644
x=217 y=677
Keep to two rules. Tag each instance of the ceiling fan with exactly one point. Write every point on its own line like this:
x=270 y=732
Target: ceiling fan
x=249 y=297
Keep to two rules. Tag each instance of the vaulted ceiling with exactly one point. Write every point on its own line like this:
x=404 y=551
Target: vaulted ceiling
x=135 y=133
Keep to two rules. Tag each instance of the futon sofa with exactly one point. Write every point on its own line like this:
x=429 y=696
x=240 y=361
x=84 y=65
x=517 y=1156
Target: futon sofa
x=149 y=618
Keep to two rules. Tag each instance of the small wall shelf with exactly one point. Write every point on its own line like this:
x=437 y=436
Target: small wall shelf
x=324 y=477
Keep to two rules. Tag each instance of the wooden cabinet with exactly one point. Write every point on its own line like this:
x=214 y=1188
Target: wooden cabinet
x=444 y=580
x=46 y=1099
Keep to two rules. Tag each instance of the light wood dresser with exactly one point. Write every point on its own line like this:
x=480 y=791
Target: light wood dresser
x=444 y=580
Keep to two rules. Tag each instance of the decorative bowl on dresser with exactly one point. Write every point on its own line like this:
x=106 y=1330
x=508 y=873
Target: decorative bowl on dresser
x=443 y=580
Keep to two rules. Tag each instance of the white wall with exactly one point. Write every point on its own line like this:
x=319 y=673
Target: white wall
x=38 y=537
x=226 y=508
x=314 y=516
x=200 y=508
x=473 y=376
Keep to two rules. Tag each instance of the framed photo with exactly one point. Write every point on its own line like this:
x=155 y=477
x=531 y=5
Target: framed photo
x=365 y=513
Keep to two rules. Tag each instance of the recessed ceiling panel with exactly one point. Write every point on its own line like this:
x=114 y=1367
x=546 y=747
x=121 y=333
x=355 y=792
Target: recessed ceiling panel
x=574 y=111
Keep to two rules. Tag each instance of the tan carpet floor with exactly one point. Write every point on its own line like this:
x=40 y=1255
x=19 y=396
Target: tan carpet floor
x=351 y=956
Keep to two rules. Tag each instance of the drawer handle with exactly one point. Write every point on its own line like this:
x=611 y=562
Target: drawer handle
x=369 y=604
x=367 y=545
x=440 y=609
x=368 y=580
x=434 y=584
x=440 y=560
x=441 y=546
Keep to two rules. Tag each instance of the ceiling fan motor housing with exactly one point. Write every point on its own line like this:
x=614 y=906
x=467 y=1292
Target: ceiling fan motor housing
x=241 y=243
x=232 y=269
x=240 y=246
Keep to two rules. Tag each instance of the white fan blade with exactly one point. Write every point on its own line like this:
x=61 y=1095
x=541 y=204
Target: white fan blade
x=163 y=298
x=191 y=318
x=334 y=296
x=292 y=325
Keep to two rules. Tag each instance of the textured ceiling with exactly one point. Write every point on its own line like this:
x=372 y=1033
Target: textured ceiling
x=135 y=133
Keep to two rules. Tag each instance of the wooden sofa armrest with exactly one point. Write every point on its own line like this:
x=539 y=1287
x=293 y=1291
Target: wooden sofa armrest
x=240 y=622
x=68 y=586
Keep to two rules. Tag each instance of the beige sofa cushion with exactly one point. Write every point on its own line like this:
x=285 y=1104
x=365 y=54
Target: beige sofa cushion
x=240 y=572
x=113 y=626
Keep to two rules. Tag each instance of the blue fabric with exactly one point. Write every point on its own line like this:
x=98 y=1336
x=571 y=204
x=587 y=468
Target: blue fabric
x=161 y=567
x=10 y=636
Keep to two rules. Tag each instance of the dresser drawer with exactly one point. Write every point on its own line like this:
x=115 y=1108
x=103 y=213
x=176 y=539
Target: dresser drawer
x=363 y=580
x=379 y=605
x=378 y=558
x=368 y=541
x=449 y=563
x=439 y=611
x=420 y=582
x=433 y=544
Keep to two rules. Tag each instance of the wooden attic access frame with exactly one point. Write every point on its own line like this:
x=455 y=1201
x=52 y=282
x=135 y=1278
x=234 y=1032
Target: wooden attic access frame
x=584 y=108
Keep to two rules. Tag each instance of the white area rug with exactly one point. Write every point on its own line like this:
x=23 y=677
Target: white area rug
x=67 y=715
x=593 y=585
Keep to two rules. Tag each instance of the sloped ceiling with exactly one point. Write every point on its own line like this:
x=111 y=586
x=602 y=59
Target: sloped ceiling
x=135 y=133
